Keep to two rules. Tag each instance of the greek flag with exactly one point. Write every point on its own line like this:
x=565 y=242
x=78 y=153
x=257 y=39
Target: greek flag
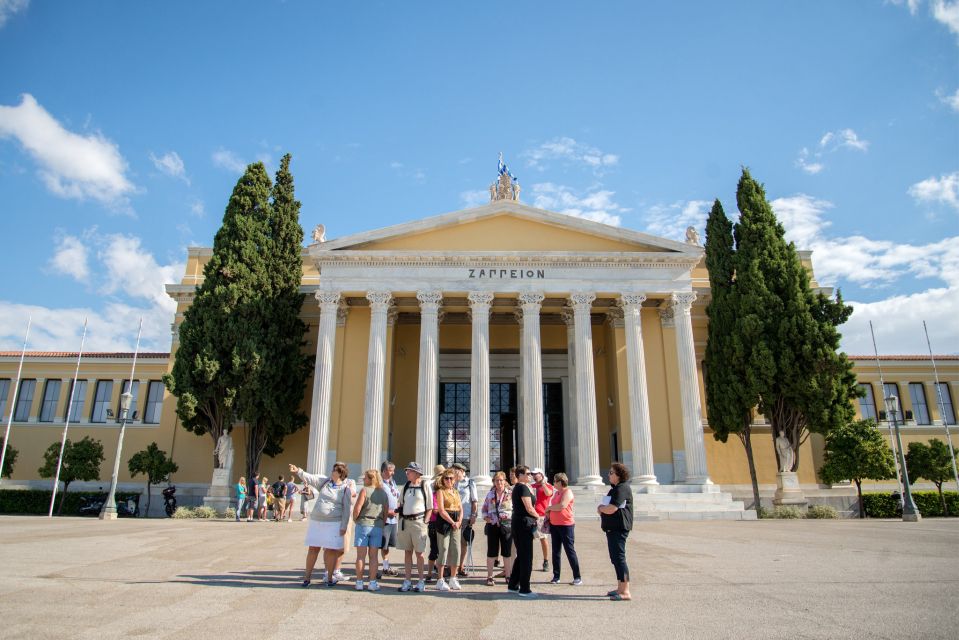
x=502 y=169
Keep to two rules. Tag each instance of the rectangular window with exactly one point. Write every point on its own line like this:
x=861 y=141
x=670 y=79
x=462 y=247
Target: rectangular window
x=920 y=410
x=944 y=400
x=4 y=394
x=79 y=398
x=101 y=400
x=892 y=389
x=154 y=402
x=867 y=403
x=25 y=400
x=51 y=397
x=133 y=402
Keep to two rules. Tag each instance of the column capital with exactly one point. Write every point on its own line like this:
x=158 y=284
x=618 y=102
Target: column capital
x=379 y=300
x=531 y=299
x=581 y=300
x=342 y=310
x=430 y=300
x=392 y=314
x=666 y=316
x=683 y=301
x=628 y=301
x=568 y=316
x=327 y=297
x=480 y=298
x=615 y=316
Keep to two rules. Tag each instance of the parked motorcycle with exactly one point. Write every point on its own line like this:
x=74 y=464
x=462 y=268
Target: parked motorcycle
x=93 y=505
x=169 y=500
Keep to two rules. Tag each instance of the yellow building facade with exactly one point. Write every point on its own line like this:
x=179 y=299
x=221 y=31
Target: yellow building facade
x=587 y=341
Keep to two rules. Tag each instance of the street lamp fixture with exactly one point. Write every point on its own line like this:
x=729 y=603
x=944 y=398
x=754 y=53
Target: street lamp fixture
x=909 y=511
x=109 y=511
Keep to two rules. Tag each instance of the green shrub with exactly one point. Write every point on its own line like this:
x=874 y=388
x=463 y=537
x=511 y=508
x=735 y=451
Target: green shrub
x=37 y=501
x=884 y=505
x=763 y=513
x=822 y=512
x=229 y=513
x=183 y=513
x=204 y=511
x=787 y=512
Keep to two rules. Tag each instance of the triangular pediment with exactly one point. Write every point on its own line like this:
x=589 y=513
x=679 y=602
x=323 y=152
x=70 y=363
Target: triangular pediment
x=505 y=226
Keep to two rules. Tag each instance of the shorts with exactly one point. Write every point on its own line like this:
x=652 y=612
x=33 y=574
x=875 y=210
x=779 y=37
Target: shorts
x=261 y=501
x=367 y=535
x=412 y=536
x=325 y=535
x=279 y=505
x=249 y=503
x=498 y=542
x=537 y=532
x=389 y=536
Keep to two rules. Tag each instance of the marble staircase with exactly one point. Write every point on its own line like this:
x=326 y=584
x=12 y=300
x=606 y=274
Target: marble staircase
x=668 y=502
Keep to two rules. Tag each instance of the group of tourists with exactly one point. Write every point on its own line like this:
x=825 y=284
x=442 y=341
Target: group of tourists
x=433 y=521
x=256 y=497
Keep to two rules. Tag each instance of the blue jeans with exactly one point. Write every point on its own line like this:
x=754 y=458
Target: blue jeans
x=563 y=536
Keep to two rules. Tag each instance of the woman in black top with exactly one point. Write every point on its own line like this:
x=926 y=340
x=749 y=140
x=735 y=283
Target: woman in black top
x=616 y=514
x=524 y=523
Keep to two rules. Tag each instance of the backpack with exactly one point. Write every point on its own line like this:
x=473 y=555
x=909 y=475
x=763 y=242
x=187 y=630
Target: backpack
x=279 y=489
x=422 y=490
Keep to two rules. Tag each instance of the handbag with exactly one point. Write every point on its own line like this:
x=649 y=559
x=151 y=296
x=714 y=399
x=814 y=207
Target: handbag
x=544 y=528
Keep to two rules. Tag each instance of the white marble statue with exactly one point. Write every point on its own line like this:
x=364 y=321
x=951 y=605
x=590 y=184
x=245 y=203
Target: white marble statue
x=224 y=452
x=786 y=454
x=319 y=233
x=692 y=236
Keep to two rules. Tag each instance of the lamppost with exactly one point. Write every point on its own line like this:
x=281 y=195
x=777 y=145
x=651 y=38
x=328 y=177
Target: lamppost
x=109 y=511
x=909 y=511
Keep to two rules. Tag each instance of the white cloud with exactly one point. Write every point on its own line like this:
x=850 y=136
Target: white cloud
x=944 y=190
x=951 y=101
x=71 y=165
x=9 y=8
x=171 y=164
x=225 y=159
x=947 y=13
x=671 y=220
x=197 y=208
x=71 y=258
x=898 y=320
x=417 y=175
x=131 y=283
x=569 y=151
x=913 y=5
x=594 y=204
x=829 y=142
x=474 y=198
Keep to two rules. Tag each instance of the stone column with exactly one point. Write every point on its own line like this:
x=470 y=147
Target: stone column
x=532 y=373
x=372 y=454
x=696 y=472
x=322 y=383
x=587 y=435
x=427 y=402
x=640 y=429
x=572 y=457
x=480 y=302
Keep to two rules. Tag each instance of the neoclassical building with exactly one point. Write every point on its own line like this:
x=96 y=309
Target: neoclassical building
x=493 y=336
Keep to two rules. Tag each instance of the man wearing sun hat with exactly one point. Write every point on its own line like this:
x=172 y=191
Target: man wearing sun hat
x=413 y=509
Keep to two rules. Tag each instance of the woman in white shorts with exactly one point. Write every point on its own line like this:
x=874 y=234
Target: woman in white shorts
x=328 y=520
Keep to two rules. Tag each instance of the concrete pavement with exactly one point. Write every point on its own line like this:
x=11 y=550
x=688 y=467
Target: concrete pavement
x=83 y=578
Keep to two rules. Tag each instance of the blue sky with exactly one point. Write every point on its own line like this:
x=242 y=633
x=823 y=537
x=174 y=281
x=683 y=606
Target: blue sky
x=123 y=127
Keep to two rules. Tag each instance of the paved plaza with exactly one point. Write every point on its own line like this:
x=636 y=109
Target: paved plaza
x=83 y=578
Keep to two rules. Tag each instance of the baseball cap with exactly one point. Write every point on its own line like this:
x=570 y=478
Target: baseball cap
x=458 y=465
x=415 y=467
x=537 y=470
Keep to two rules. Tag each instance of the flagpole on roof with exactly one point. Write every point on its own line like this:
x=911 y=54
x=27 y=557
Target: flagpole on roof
x=942 y=408
x=892 y=439
x=13 y=406
x=66 y=422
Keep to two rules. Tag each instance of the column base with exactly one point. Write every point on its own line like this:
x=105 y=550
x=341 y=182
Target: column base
x=590 y=481
x=644 y=484
x=697 y=480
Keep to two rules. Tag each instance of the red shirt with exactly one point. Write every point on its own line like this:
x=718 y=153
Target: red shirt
x=542 y=500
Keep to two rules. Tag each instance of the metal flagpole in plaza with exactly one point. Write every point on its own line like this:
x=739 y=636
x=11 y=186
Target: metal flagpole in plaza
x=66 y=422
x=109 y=511
x=892 y=435
x=942 y=408
x=13 y=407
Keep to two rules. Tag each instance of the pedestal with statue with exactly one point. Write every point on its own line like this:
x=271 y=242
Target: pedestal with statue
x=788 y=491
x=220 y=495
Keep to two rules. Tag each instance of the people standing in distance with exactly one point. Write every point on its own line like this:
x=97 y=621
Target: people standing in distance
x=240 y=497
x=431 y=524
x=498 y=515
x=616 y=514
x=468 y=498
x=329 y=519
x=524 y=523
x=369 y=514
x=261 y=497
x=278 y=490
x=387 y=471
x=252 y=496
x=561 y=528
x=543 y=491
x=449 y=521
x=291 y=492
x=414 y=508
x=306 y=494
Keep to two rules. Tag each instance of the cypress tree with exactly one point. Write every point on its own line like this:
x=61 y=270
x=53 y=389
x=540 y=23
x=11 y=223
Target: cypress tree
x=217 y=350
x=789 y=337
x=270 y=402
x=729 y=398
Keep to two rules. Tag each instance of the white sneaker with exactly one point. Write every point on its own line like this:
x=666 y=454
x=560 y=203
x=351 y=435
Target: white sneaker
x=359 y=584
x=420 y=586
x=407 y=586
x=338 y=575
x=323 y=577
x=441 y=585
x=577 y=582
x=374 y=586
x=455 y=584
x=531 y=594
